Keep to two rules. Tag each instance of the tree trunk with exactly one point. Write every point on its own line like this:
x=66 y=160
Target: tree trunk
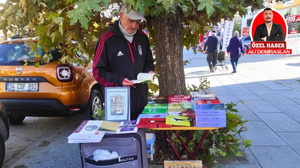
x=169 y=57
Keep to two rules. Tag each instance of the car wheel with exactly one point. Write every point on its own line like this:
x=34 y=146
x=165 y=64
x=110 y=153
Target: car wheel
x=246 y=47
x=16 y=119
x=95 y=103
x=2 y=151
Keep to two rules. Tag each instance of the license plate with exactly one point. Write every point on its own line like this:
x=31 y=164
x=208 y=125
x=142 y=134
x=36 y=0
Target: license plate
x=22 y=87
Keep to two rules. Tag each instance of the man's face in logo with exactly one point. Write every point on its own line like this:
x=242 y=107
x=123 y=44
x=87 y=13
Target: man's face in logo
x=268 y=16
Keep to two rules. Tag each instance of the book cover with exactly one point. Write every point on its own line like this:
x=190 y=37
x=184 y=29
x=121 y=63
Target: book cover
x=180 y=121
x=161 y=115
x=210 y=109
x=186 y=106
x=145 y=77
x=210 y=124
x=153 y=123
x=217 y=101
x=211 y=119
x=127 y=127
x=109 y=126
x=155 y=108
x=87 y=132
x=179 y=98
x=183 y=113
x=203 y=96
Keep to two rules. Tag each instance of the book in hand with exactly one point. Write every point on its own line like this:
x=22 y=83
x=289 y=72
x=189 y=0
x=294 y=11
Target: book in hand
x=153 y=123
x=180 y=120
x=145 y=77
x=87 y=132
x=127 y=127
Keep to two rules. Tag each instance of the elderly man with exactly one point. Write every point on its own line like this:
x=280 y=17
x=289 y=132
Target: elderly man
x=121 y=53
x=269 y=31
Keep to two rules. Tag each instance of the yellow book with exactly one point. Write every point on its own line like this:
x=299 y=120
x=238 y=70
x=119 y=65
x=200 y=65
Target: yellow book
x=109 y=126
x=179 y=120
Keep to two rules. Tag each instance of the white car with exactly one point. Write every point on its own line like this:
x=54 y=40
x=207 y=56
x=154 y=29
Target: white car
x=293 y=42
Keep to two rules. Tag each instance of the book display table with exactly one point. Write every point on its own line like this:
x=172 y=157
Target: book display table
x=192 y=155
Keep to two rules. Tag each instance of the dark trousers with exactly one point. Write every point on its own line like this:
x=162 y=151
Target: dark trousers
x=234 y=62
x=212 y=60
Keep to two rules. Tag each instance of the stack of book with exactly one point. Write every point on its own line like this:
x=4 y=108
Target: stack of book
x=153 y=116
x=210 y=115
x=203 y=98
x=179 y=103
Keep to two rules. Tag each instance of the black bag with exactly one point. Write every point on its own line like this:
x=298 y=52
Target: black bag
x=131 y=148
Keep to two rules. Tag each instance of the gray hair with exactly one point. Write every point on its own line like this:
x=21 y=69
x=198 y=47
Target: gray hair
x=236 y=33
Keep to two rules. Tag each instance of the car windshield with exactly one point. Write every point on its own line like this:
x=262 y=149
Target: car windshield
x=18 y=54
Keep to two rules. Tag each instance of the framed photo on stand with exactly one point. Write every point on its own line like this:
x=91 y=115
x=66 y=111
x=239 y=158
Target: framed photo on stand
x=117 y=103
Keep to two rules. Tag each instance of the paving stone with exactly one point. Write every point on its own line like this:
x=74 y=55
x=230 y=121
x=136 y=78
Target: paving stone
x=260 y=106
x=279 y=122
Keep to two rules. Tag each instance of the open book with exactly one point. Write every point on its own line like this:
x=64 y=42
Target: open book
x=145 y=77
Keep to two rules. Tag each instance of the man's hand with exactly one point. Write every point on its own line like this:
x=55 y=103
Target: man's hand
x=127 y=82
x=243 y=54
x=152 y=72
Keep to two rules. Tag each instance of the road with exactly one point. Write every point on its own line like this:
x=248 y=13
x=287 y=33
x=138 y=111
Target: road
x=42 y=142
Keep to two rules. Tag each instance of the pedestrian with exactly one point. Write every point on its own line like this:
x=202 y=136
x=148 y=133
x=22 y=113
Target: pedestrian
x=211 y=47
x=235 y=49
x=121 y=53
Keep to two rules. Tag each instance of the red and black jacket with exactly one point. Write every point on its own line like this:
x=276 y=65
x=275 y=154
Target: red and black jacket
x=116 y=58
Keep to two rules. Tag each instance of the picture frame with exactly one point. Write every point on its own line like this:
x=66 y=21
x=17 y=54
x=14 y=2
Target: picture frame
x=117 y=104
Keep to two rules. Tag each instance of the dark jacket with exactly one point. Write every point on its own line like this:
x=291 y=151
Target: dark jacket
x=116 y=59
x=235 y=47
x=276 y=34
x=212 y=44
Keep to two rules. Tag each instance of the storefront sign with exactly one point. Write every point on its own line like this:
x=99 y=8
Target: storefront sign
x=245 y=31
x=292 y=18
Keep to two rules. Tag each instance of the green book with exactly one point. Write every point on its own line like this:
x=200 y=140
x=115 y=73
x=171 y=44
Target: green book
x=155 y=108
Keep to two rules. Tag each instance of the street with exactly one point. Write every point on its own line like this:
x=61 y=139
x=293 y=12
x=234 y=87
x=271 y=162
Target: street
x=42 y=142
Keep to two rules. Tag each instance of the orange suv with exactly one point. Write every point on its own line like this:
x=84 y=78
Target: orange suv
x=52 y=89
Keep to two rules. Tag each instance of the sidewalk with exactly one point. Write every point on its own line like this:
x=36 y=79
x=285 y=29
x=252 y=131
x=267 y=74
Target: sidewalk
x=268 y=85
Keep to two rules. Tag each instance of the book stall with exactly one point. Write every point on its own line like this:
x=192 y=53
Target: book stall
x=192 y=112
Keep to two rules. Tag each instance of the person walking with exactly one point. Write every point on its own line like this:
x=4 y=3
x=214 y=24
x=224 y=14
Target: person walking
x=121 y=53
x=235 y=49
x=211 y=47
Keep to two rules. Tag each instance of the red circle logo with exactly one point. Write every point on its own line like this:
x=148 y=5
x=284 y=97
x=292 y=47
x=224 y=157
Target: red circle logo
x=259 y=19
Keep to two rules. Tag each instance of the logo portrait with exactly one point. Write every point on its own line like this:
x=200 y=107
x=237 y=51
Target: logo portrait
x=258 y=29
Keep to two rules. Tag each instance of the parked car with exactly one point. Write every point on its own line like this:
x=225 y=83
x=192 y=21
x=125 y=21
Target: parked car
x=246 y=42
x=293 y=42
x=52 y=89
x=4 y=133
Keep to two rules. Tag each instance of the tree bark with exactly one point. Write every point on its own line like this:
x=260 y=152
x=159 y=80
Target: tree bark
x=169 y=56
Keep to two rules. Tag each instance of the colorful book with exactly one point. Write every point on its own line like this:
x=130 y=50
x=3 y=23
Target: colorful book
x=127 y=127
x=183 y=113
x=210 y=110
x=87 y=132
x=179 y=98
x=153 y=123
x=161 y=115
x=202 y=96
x=180 y=121
x=217 y=101
x=155 y=108
x=186 y=106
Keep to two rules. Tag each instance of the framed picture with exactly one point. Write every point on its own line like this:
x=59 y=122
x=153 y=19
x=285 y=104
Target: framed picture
x=117 y=103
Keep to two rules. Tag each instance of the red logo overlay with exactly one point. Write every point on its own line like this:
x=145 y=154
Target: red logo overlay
x=266 y=47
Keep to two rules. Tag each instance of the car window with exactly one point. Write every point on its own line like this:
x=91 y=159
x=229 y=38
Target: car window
x=247 y=38
x=11 y=54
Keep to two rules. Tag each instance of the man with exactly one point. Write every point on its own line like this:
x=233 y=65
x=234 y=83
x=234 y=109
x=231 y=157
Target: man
x=213 y=45
x=269 y=31
x=121 y=53
x=235 y=49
